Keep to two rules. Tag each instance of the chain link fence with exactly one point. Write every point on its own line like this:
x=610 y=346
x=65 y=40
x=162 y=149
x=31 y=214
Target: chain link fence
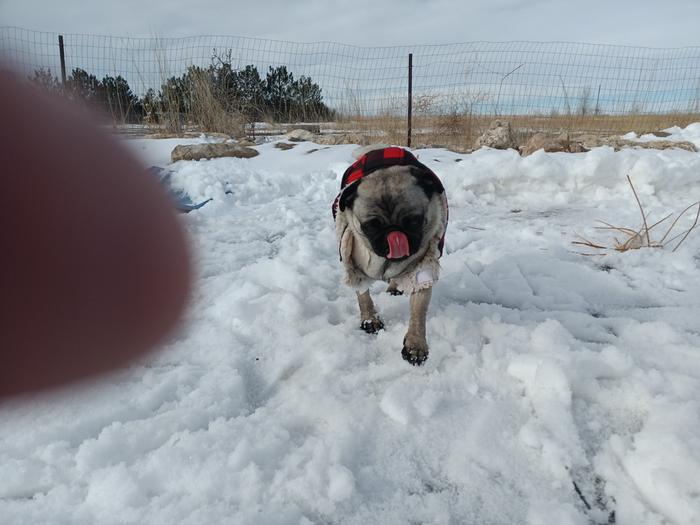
x=457 y=89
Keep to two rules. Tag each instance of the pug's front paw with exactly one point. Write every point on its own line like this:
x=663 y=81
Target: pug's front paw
x=372 y=326
x=415 y=350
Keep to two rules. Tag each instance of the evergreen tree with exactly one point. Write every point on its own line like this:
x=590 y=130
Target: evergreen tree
x=220 y=88
x=247 y=93
x=279 y=93
x=45 y=80
x=82 y=86
x=117 y=98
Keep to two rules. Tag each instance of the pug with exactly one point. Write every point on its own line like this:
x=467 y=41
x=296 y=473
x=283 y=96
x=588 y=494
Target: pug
x=390 y=217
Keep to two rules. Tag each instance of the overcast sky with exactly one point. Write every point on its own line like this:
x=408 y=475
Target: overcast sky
x=671 y=23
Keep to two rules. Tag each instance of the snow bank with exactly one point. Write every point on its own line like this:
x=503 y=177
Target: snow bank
x=691 y=133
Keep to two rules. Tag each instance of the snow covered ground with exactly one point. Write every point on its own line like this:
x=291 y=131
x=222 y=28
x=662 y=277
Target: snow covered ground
x=689 y=133
x=549 y=371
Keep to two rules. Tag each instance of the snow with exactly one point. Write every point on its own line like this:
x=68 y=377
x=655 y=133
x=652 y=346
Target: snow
x=691 y=133
x=269 y=406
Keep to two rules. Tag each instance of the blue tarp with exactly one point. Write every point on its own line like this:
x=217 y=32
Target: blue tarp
x=183 y=201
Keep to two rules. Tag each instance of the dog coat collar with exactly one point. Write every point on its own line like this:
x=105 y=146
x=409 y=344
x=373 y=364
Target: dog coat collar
x=384 y=158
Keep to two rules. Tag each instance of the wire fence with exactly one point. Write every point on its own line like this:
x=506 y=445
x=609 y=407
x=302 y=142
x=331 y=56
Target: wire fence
x=457 y=89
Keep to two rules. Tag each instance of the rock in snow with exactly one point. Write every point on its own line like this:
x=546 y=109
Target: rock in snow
x=542 y=141
x=498 y=136
x=301 y=135
x=212 y=150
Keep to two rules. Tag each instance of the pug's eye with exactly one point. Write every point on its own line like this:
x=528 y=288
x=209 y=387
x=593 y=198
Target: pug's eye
x=412 y=222
x=371 y=226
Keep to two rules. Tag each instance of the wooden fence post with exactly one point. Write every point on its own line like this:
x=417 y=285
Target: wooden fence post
x=63 y=59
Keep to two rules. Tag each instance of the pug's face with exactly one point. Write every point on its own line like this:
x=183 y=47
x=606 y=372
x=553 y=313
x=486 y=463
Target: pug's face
x=394 y=210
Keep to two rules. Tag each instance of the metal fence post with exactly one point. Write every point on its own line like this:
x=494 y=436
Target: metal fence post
x=63 y=59
x=410 y=98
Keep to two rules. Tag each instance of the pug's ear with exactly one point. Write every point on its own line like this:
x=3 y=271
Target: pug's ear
x=426 y=180
x=347 y=198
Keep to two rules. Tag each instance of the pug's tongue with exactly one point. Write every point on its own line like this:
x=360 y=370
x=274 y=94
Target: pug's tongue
x=398 y=245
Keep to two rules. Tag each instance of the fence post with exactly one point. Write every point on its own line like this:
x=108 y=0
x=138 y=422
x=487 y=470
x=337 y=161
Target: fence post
x=63 y=60
x=410 y=98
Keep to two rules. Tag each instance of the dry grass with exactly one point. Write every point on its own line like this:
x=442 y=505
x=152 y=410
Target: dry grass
x=451 y=121
x=458 y=128
x=633 y=239
x=208 y=113
x=445 y=121
x=205 y=112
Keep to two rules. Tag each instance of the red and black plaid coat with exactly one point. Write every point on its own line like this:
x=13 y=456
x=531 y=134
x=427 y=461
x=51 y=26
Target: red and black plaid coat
x=385 y=158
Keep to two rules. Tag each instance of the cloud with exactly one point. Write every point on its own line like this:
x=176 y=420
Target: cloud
x=369 y=22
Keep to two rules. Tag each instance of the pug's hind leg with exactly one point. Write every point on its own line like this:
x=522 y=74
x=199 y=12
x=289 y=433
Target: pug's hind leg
x=393 y=288
x=370 y=321
x=415 y=346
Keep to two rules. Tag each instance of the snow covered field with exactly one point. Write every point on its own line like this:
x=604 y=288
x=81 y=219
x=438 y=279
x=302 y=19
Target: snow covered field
x=548 y=371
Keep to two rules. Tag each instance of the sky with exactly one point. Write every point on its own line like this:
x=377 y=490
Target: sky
x=672 y=23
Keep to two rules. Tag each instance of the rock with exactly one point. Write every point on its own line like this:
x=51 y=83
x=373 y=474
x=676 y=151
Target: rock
x=344 y=138
x=211 y=151
x=245 y=142
x=551 y=144
x=313 y=128
x=218 y=135
x=172 y=135
x=537 y=142
x=662 y=144
x=301 y=135
x=498 y=136
x=577 y=147
x=618 y=143
x=327 y=140
x=353 y=138
x=284 y=145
